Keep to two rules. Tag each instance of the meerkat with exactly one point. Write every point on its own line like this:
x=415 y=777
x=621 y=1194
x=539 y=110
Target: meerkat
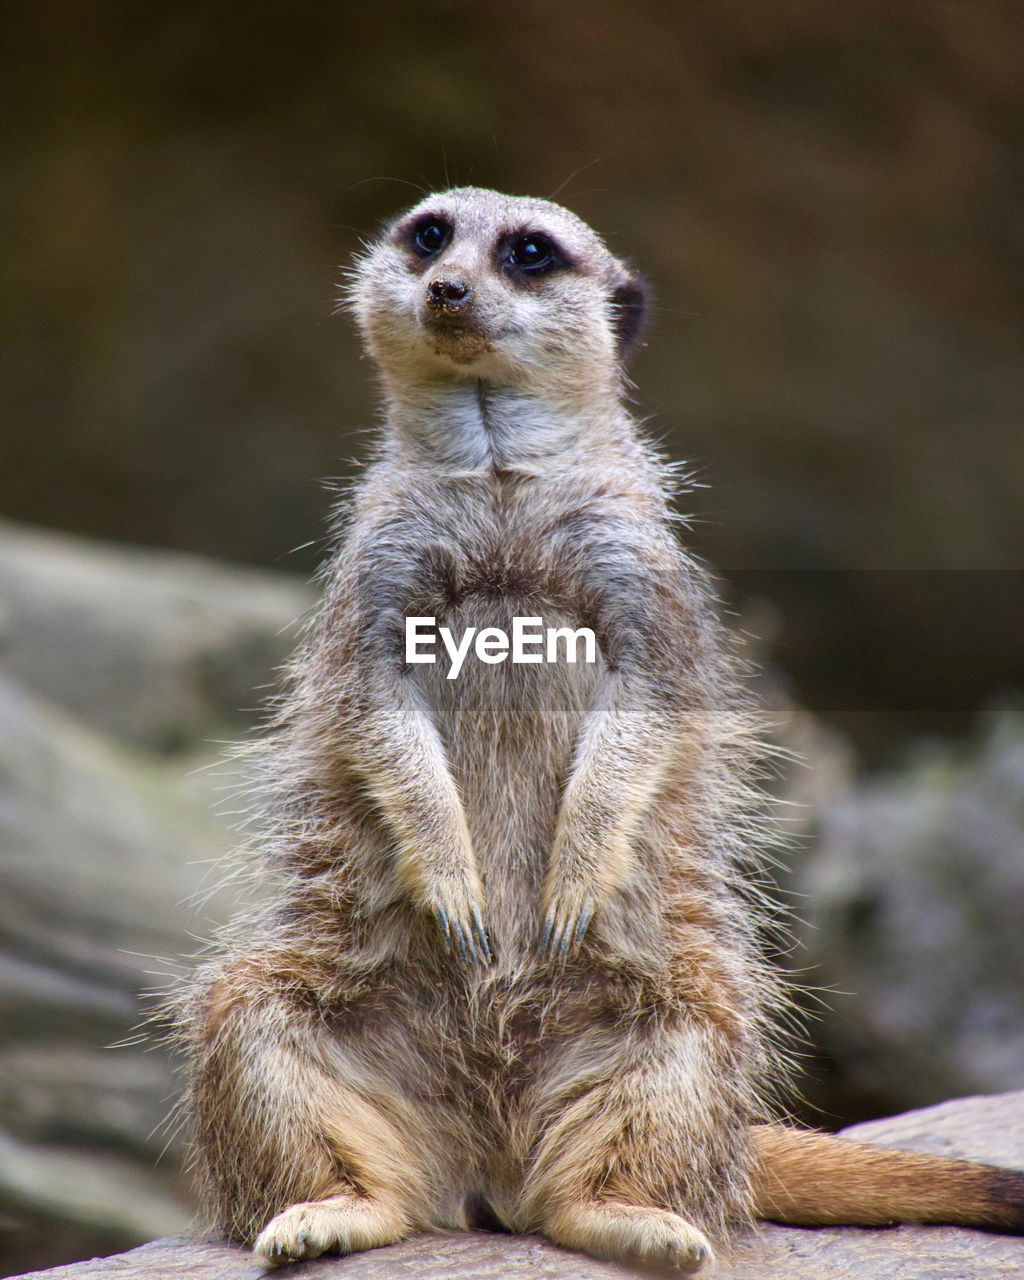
x=508 y=969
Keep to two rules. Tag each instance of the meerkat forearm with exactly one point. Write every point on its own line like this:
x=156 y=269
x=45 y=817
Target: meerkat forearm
x=403 y=761
x=631 y=732
x=618 y=767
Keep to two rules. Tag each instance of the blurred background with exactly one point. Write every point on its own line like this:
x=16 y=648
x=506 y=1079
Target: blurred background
x=827 y=202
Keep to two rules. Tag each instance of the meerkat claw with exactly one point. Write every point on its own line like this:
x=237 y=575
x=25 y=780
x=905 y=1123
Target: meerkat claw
x=486 y=954
x=564 y=930
x=585 y=917
x=549 y=938
x=556 y=931
x=466 y=937
x=467 y=948
x=444 y=928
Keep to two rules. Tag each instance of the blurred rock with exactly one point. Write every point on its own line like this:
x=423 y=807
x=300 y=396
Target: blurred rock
x=158 y=649
x=912 y=910
x=104 y=853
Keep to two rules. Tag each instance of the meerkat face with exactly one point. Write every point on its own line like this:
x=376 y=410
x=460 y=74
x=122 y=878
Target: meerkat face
x=470 y=285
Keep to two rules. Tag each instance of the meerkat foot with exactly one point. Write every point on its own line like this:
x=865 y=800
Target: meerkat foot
x=340 y=1224
x=653 y=1236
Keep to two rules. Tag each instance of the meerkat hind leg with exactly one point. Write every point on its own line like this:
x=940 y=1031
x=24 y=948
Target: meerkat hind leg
x=635 y=1162
x=342 y=1223
x=372 y=1203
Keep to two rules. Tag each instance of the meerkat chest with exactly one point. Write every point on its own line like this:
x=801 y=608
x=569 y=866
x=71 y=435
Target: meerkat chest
x=499 y=635
x=499 y=644
x=494 y=614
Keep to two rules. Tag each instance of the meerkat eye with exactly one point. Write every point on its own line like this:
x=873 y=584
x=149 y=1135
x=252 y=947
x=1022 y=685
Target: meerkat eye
x=431 y=235
x=533 y=253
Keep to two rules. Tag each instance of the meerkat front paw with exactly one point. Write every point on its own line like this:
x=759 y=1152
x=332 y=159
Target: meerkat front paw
x=569 y=911
x=459 y=920
x=581 y=876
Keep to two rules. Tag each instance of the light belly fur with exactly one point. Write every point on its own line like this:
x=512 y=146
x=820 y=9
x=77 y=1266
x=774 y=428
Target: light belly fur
x=509 y=731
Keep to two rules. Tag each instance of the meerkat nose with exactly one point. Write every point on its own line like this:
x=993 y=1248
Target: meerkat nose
x=447 y=295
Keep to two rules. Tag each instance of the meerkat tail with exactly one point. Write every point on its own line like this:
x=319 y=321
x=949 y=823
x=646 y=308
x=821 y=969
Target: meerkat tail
x=812 y=1179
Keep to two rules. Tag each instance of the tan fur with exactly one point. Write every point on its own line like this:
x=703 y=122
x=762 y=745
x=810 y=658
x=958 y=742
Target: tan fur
x=811 y=1179
x=508 y=967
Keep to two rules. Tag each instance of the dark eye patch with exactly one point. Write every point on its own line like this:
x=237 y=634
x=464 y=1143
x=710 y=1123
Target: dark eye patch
x=429 y=235
x=531 y=254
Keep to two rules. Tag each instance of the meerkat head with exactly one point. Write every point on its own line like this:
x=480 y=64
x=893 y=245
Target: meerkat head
x=474 y=286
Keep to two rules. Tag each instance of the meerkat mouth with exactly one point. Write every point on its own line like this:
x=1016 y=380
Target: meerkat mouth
x=456 y=337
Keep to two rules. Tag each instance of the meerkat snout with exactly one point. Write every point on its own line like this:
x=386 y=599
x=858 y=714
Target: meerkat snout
x=448 y=296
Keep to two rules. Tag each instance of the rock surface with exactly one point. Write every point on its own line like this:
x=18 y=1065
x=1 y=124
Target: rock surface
x=990 y=1128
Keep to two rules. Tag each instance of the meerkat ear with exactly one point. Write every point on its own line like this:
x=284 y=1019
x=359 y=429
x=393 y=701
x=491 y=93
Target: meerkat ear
x=629 y=312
